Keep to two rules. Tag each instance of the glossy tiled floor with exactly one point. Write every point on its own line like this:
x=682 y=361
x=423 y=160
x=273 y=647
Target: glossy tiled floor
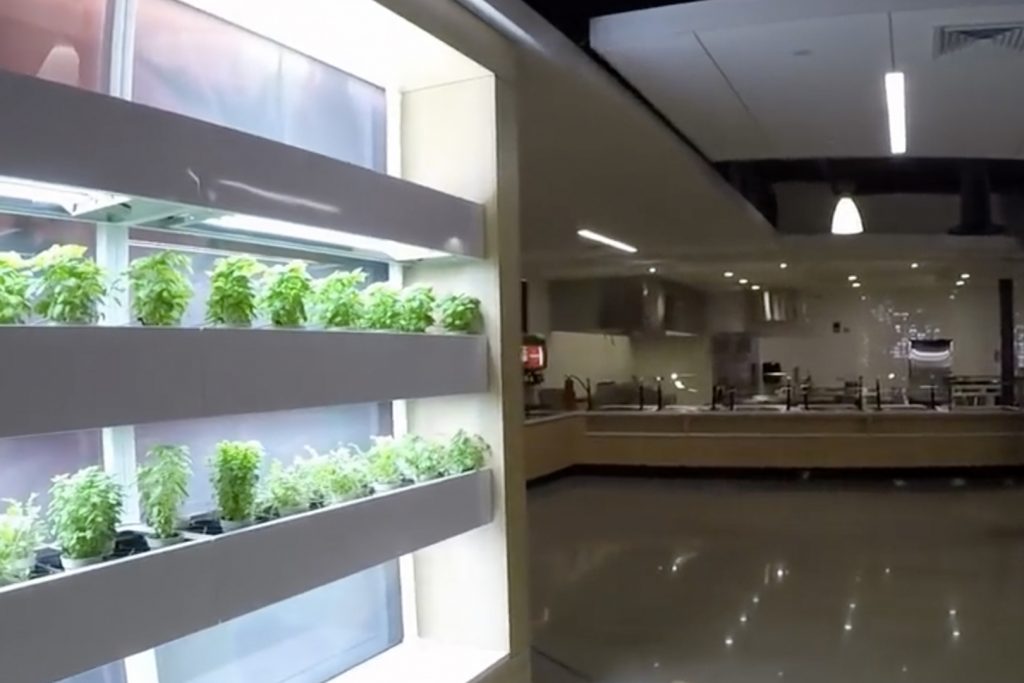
x=725 y=582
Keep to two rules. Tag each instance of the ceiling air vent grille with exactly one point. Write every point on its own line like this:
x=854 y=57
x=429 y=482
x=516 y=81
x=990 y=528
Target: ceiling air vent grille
x=952 y=39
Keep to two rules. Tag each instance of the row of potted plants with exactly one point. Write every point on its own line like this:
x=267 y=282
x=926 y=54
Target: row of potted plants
x=85 y=507
x=64 y=286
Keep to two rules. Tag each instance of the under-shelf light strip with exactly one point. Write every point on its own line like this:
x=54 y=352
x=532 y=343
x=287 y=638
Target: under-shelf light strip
x=75 y=201
x=307 y=233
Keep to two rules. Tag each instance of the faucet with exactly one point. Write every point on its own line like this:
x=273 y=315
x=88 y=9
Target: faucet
x=586 y=388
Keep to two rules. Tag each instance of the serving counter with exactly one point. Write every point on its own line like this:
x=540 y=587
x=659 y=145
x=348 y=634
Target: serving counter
x=798 y=440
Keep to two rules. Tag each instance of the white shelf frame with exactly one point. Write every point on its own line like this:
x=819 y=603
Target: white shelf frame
x=115 y=610
x=61 y=379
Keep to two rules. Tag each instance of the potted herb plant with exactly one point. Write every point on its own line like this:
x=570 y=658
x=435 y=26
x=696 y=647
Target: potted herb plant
x=459 y=313
x=68 y=287
x=85 y=508
x=15 y=306
x=233 y=298
x=381 y=307
x=416 y=312
x=21 y=532
x=160 y=288
x=287 y=490
x=422 y=459
x=235 y=474
x=465 y=453
x=337 y=302
x=286 y=290
x=163 y=488
x=332 y=478
x=384 y=462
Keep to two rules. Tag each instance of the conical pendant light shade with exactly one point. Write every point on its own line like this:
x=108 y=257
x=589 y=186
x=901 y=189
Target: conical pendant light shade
x=846 y=219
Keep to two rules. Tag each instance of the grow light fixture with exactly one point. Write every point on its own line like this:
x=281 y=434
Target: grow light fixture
x=253 y=225
x=39 y=196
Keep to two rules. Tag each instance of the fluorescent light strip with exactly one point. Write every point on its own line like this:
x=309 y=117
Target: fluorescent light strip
x=896 y=101
x=74 y=200
x=607 y=241
x=307 y=233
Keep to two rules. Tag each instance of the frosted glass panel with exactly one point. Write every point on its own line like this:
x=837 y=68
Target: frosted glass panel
x=29 y=463
x=307 y=639
x=111 y=673
x=195 y=64
x=284 y=435
x=59 y=40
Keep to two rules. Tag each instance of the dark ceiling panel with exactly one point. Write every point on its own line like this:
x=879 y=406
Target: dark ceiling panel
x=572 y=17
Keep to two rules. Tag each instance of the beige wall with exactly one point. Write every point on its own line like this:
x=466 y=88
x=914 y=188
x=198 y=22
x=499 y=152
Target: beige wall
x=875 y=344
x=689 y=357
x=597 y=356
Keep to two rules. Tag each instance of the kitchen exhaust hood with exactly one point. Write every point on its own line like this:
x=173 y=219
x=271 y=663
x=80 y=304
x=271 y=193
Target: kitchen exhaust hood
x=210 y=180
x=635 y=306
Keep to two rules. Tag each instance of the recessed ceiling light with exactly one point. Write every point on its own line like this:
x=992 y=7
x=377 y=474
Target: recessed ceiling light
x=856 y=285
x=744 y=281
x=783 y=266
x=965 y=276
x=607 y=241
x=961 y=283
x=729 y=273
x=756 y=288
x=852 y=278
x=896 y=103
x=652 y=270
x=915 y=265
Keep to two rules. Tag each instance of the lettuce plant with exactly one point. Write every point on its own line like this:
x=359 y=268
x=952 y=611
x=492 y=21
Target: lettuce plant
x=68 y=287
x=459 y=313
x=85 y=508
x=422 y=459
x=465 y=453
x=286 y=291
x=385 y=462
x=332 y=477
x=160 y=288
x=416 y=312
x=381 y=307
x=337 y=302
x=14 y=284
x=21 y=532
x=232 y=299
x=163 y=488
x=235 y=474
x=286 y=489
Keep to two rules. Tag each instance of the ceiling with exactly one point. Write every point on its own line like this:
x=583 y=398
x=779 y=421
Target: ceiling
x=804 y=78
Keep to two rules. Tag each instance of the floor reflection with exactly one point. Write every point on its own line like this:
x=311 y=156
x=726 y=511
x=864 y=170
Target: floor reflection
x=683 y=581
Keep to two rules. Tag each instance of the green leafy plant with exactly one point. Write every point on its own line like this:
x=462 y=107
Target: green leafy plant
x=287 y=489
x=85 y=508
x=333 y=477
x=459 y=313
x=163 y=488
x=381 y=307
x=465 y=453
x=68 y=287
x=235 y=474
x=422 y=459
x=384 y=462
x=15 y=306
x=160 y=288
x=416 y=313
x=337 y=302
x=286 y=290
x=21 y=532
x=232 y=299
